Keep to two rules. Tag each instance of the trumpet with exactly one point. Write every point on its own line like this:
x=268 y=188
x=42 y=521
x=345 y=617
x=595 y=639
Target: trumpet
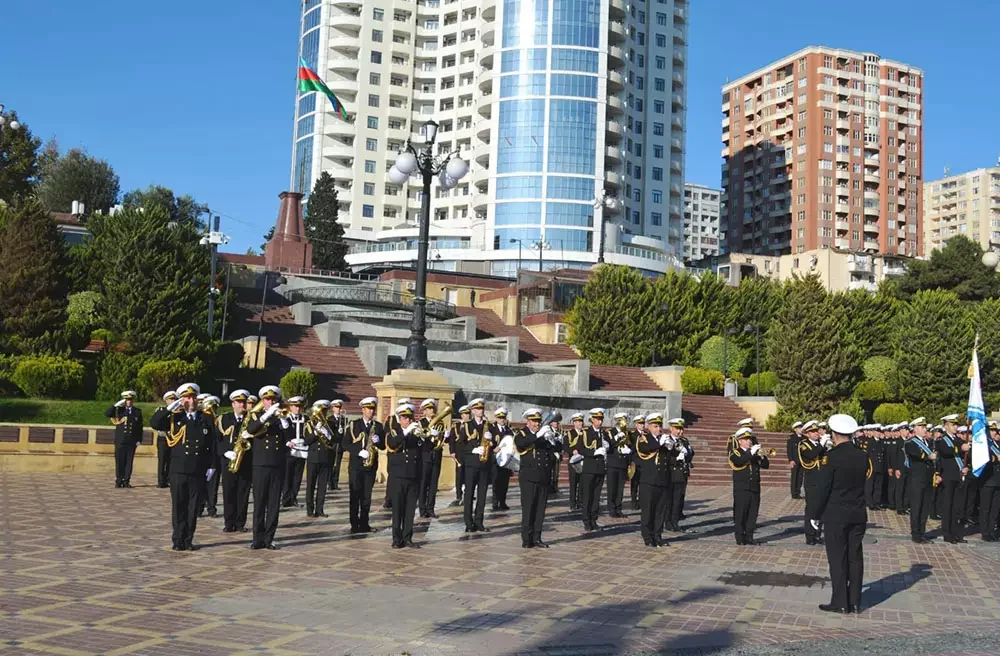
x=770 y=452
x=283 y=409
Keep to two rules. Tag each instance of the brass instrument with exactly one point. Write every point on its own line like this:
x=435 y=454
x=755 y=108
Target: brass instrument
x=437 y=422
x=321 y=426
x=369 y=446
x=240 y=445
x=770 y=452
x=486 y=444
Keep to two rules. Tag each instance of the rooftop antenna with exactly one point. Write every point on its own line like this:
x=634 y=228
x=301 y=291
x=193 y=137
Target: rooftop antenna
x=947 y=170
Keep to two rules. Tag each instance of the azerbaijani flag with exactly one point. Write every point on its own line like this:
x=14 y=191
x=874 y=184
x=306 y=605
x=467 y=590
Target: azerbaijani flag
x=309 y=81
x=976 y=414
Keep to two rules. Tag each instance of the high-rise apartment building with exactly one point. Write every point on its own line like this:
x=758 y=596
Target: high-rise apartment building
x=701 y=221
x=964 y=204
x=558 y=105
x=823 y=149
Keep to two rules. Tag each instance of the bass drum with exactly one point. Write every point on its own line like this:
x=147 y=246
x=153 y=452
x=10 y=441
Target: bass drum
x=507 y=456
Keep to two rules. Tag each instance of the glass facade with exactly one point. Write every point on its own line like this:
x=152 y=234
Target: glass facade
x=305 y=115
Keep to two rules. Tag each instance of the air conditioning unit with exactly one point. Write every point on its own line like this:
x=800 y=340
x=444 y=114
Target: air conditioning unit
x=411 y=286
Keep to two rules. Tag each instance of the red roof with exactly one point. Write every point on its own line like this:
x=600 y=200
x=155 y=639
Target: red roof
x=237 y=258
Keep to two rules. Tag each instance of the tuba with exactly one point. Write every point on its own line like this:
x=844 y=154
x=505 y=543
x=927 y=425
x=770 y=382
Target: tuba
x=319 y=424
x=437 y=422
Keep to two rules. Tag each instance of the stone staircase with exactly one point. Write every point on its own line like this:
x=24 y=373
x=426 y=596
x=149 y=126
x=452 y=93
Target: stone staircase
x=488 y=324
x=605 y=378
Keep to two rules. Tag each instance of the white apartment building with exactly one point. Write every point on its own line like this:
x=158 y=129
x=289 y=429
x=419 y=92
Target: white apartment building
x=963 y=204
x=559 y=106
x=701 y=221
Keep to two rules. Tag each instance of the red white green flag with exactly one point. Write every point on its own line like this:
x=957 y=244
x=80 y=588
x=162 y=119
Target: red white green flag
x=309 y=81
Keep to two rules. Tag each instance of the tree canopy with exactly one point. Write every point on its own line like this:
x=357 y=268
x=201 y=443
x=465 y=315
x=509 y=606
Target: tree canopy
x=18 y=160
x=178 y=209
x=956 y=267
x=322 y=229
x=78 y=176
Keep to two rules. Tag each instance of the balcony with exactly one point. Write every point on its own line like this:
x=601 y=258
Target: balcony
x=489 y=9
x=902 y=167
x=486 y=55
x=482 y=155
x=615 y=106
x=871 y=194
x=334 y=150
x=613 y=155
x=348 y=43
x=485 y=79
x=678 y=79
x=676 y=145
x=612 y=179
x=675 y=211
x=483 y=129
x=677 y=102
x=679 y=15
x=676 y=123
x=843 y=124
x=678 y=56
x=616 y=57
x=480 y=176
x=866 y=285
x=617 y=8
x=679 y=38
x=894 y=270
x=614 y=129
x=616 y=32
x=871 y=211
x=842 y=208
x=485 y=104
x=341 y=63
x=342 y=85
x=675 y=166
x=871 y=245
x=843 y=244
x=615 y=82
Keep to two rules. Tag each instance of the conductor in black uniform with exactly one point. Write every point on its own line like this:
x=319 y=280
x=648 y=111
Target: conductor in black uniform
x=746 y=461
x=537 y=447
x=362 y=440
x=922 y=458
x=192 y=440
x=403 y=449
x=794 y=471
x=127 y=420
x=271 y=437
x=838 y=498
x=655 y=451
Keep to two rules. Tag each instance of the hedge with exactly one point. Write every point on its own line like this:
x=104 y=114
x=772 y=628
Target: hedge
x=697 y=381
x=157 y=376
x=768 y=382
x=117 y=372
x=710 y=355
x=7 y=365
x=891 y=413
x=299 y=383
x=49 y=376
x=874 y=391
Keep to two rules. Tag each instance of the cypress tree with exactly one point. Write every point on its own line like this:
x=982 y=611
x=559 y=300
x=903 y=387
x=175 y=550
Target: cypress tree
x=325 y=234
x=611 y=322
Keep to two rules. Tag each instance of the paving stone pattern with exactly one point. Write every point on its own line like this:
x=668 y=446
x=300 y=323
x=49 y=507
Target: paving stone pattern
x=86 y=569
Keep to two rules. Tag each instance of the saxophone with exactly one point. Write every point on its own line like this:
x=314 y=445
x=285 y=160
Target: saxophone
x=369 y=446
x=486 y=443
x=241 y=444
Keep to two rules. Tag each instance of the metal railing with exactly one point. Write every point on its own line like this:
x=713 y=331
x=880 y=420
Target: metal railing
x=366 y=295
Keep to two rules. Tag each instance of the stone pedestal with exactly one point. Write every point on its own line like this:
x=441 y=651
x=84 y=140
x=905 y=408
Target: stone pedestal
x=416 y=385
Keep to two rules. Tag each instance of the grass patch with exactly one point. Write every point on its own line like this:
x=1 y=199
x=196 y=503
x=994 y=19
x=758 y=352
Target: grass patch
x=42 y=411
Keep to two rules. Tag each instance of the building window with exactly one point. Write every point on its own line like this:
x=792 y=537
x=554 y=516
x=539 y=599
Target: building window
x=373 y=122
x=658 y=129
x=376 y=57
x=656 y=218
x=657 y=152
x=378 y=14
x=368 y=211
x=371 y=144
x=377 y=36
x=369 y=166
x=658 y=106
x=369 y=189
x=373 y=100
x=657 y=196
x=657 y=173
x=374 y=78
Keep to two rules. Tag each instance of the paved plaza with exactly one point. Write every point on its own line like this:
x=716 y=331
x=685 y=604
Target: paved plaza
x=87 y=569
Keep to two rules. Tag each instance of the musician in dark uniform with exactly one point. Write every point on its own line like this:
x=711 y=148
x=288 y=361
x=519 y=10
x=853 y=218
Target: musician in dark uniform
x=922 y=460
x=746 y=460
x=537 y=447
x=192 y=439
x=618 y=459
x=950 y=450
x=571 y=447
x=874 y=447
x=210 y=495
x=338 y=424
x=811 y=450
x=127 y=420
x=271 y=434
x=403 y=451
x=321 y=441
x=457 y=447
x=478 y=447
x=639 y=428
x=970 y=496
x=362 y=440
x=431 y=454
x=391 y=424
x=680 y=470
x=902 y=471
x=655 y=450
x=294 y=465
x=989 y=505
x=500 y=429
x=555 y=422
x=235 y=485
x=838 y=499
x=593 y=446
x=937 y=432
x=792 y=451
x=162 y=450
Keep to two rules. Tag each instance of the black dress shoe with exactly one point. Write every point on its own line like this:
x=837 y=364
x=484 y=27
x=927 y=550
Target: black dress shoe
x=411 y=544
x=526 y=545
x=989 y=538
x=432 y=515
x=504 y=506
x=192 y=547
x=482 y=529
x=243 y=529
x=128 y=485
x=495 y=508
x=855 y=610
x=741 y=543
x=753 y=543
x=369 y=529
x=936 y=516
x=960 y=541
x=273 y=547
x=397 y=545
x=321 y=515
x=177 y=548
x=355 y=530
x=229 y=529
x=254 y=546
x=594 y=526
x=830 y=608
x=918 y=540
x=309 y=513
x=540 y=544
x=470 y=529
x=648 y=543
x=796 y=496
x=213 y=514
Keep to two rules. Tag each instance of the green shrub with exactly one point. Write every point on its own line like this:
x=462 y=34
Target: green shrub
x=157 y=376
x=117 y=372
x=880 y=368
x=82 y=307
x=768 y=381
x=49 y=376
x=104 y=335
x=711 y=352
x=991 y=399
x=693 y=381
x=891 y=413
x=780 y=422
x=854 y=408
x=7 y=365
x=299 y=383
x=872 y=391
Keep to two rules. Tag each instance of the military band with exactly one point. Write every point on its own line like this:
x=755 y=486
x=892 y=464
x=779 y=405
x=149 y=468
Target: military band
x=680 y=471
x=571 y=447
x=403 y=445
x=295 y=459
x=209 y=405
x=655 y=451
x=162 y=450
x=269 y=432
x=431 y=459
x=593 y=446
x=618 y=460
x=792 y=452
x=746 y=460
x=537 y=448
x=476 y=444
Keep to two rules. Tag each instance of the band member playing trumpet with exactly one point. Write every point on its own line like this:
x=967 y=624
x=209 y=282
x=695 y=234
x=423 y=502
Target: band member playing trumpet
x=536 y=446
x=479 y=444
x=746 y=460
x=321 y=441
x=593 y=446
x=162 y=450
x=362 y=440
x=555 y=421
x=680 y=469
x=501 y=479
x=294 y=465
x=235 y=484
x=403 y=449
x=655 y=451
x=269 y=430
x=127 y=420
x=431 y=453
x=639 y=428
x=192 y=440
x=571 y=447
x=619 y=457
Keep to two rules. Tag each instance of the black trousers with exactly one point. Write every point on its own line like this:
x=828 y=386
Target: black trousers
x=534 y=499
x=952 y=504
x=338 y=459
x=873 y=490
x=972 y=488
x=430 y=476
x=939 y=500
x=554 y=478
x=652 y=511
x=267 y=485
x=162 y=462
x=210 y=498
x=360 y=483
x=902 y=491
x=890 y=489
x=590 y=496
x=616 y=489
x=236 y=497
x=989 y=511
x=293 y=480
x=574 y=489
x=746 y=506
x=501 y=483
x=811 y=533
x=123 y=463
x=634 y=486
x=921 y=499
x=678 y=491
x=845 y=552
x=795 y=481
x=459 y=480
x=317 y=478
x=185 y=495
x=404 y=505
x=477 y=479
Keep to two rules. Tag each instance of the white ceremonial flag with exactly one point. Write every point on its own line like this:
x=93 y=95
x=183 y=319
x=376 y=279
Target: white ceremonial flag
x=976 y=414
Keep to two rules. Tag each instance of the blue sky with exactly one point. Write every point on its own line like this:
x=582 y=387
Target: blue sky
x=198 y=96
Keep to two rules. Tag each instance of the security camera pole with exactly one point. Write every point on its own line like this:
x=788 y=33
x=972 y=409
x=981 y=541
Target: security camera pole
x=213 y=239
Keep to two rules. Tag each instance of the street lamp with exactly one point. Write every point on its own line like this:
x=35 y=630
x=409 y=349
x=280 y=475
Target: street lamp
x=542 y=246
x=280 y=280
x=450 y=169
x=520 y=243
x=13 y=124
x=603 y=202
x=213 y=239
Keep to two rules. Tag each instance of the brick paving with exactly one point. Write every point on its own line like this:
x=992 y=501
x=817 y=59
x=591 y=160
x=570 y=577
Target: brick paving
x=87 y=569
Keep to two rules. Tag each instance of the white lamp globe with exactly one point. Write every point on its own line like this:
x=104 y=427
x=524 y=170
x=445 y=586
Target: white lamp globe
x=446 y=181
x=457 y=168
x=611 y=203
x=406 y=163
x=14 y=125
x=991 y=259
x=396 y=176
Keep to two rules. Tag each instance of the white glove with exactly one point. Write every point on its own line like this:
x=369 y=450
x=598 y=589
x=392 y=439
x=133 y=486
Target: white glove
x=208 y=474
x=120 y=403
x=290 y=443
x=488 y=436
x=826 y=441
x=605 y=445
x=664 y=440
x=298 y=442
x=815 y=523
x=680 y=457
x=625 y=450
x=685 y=451
x=376 y=439
x=230 y=455
x=754 y=449
x=478 y=451
x=246 y=435
x=269 y=413
x=556 y=437
x=544 y=432
x=324 y=432
x=363 y=454
x=174 y=405
x=601 y=452
x=435 y=432
x=285 y=423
